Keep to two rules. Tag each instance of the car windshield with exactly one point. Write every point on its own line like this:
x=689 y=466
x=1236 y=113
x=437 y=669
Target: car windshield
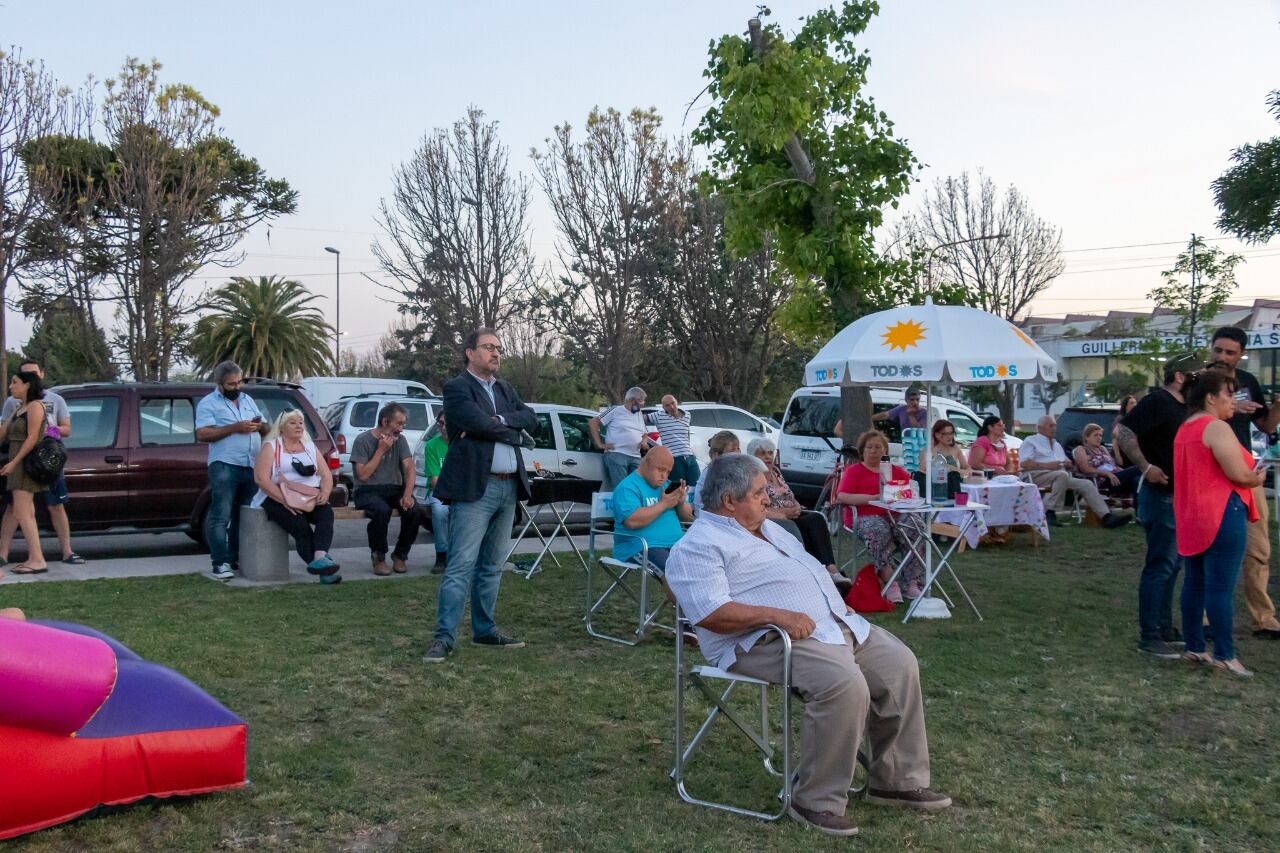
x=812 y=416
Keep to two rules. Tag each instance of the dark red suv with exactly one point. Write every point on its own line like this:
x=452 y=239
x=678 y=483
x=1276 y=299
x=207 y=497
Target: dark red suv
x=133 y=462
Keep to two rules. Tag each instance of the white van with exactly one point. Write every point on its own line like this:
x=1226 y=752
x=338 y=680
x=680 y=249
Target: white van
x=323 y=390
x=808 y=444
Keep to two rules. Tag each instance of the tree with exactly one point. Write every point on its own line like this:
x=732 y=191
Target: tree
x=457 y=232
x=173 y=194
x=268 y=326
x=69 y=346
x=32 y=105
x=1200 y=282
x=1119 y=384
x=717 y=312
x=1047 y=393
x=806 y=161
x=1248 y=193
x=602 y=194
x=1001 y=276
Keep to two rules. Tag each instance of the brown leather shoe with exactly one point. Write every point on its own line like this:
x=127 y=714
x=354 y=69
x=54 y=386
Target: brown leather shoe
x=380 y=566
x=925 y=799
x=828 y=822
x=398 y=566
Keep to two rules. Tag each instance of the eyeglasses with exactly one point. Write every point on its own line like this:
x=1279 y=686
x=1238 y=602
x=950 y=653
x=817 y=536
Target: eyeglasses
x=947 y=432
x=494 y=348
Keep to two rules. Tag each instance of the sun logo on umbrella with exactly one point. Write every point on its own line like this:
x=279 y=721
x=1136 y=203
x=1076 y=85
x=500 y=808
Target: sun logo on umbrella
x=1023 y=335
x=904 y=334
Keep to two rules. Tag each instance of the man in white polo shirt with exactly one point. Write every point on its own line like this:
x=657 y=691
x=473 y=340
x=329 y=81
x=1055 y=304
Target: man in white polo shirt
x=625 y=437
x=1043 y=458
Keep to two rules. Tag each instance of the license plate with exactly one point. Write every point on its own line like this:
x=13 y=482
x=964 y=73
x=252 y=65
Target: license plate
x=809 y=455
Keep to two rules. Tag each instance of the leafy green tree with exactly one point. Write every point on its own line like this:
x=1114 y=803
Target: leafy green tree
x=806 y=161
x=1248 y=194
x=268 y=326
x=69 y=346
x=1119 y=384
x=1200 y=282
x=803 y=156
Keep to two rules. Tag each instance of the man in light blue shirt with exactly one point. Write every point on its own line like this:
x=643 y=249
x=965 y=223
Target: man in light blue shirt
x=231 y=424
x=645 y=513
x=735 y=573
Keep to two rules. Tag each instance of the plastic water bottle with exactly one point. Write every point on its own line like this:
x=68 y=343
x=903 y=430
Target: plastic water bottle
x=886 y=474
x=938 y=474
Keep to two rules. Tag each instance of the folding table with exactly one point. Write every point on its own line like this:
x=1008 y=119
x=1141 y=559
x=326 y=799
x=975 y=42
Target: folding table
x=558 y=494
x=916 y=525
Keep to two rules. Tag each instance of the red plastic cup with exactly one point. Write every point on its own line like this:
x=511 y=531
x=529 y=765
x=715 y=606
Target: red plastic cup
x=962 y=498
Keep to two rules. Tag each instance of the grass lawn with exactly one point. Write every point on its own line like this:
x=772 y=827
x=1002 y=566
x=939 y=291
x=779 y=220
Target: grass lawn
x=1046 y=726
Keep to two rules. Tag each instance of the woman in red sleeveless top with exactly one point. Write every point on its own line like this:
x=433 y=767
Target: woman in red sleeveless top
x=1212 y=510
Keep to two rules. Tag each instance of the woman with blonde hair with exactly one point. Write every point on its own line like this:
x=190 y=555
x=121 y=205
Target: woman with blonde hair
x=294 y=484
x=1094 y=460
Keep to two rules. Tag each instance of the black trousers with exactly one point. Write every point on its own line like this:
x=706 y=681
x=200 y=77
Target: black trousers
x=812 y=527
x=311 y=531
x=378 y=502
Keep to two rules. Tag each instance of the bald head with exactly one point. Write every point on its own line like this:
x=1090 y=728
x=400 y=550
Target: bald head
x=656 y=465
x=671 y=406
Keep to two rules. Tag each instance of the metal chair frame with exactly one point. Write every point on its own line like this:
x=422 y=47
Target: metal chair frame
x=701 y=678
x=620 y=576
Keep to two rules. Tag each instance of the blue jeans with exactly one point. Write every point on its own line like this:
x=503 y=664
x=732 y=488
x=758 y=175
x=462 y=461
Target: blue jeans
x=616 y=467
x=1211 y=580
x=479 y=535
x=1160 y=571
x=686 y=468
x=439 y=524
x=232 y=487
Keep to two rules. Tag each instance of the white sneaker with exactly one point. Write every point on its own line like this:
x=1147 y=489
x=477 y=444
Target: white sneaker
x=893 y=594
x=222 y=572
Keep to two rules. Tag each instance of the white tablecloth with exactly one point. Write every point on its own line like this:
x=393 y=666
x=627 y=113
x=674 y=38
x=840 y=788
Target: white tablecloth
x=1011 y=504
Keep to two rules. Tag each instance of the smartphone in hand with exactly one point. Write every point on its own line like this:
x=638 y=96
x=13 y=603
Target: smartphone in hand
x=673 y=485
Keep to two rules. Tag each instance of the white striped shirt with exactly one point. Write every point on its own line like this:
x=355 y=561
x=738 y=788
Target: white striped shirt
x=719 y=561
x=674 y=432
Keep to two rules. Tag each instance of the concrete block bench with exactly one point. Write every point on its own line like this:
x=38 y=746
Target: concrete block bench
x=264 y=547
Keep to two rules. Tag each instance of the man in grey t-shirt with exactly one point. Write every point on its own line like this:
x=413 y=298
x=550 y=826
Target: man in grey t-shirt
x=383 y=469
x=57 y=416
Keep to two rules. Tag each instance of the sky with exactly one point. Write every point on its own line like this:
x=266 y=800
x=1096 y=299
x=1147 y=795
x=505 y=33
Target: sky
x=1112 y=118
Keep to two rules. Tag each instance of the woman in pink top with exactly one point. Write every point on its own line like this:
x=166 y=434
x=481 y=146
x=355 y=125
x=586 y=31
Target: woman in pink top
x=859 y=486
x=1212 y=511
x=989 y=451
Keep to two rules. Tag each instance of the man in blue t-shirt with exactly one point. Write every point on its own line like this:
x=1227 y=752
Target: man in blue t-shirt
x=643 y=507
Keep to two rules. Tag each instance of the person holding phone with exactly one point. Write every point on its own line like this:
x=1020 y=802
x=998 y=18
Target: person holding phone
x=230 y=422
x=649 y=507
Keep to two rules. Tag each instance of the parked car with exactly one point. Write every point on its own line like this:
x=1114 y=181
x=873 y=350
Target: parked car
x=133 y=462
x=351 y=416
x=324 y=390
x=707 y=419
x=1074 y=419
x=808 y=444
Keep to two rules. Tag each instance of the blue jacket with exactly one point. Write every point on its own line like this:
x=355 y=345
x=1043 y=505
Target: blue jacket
x=473 y=422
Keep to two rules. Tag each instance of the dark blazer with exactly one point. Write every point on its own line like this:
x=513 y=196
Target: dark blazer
x=474 y=429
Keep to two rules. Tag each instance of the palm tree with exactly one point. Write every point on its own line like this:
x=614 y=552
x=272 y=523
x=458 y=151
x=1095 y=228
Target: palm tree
x=267 y=326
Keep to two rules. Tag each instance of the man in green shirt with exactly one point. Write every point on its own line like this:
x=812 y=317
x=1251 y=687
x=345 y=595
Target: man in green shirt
x=432 y=461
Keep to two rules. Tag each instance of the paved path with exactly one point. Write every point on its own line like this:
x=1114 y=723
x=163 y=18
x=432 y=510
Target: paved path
x=153 y=555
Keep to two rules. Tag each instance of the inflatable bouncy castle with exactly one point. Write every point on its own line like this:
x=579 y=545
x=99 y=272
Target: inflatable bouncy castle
x=86 y=722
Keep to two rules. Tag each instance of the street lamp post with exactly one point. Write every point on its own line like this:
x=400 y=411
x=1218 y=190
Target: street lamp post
x=938 y=248
x=337 y=307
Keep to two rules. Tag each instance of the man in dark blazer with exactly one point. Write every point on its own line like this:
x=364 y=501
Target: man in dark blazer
x=482 y=477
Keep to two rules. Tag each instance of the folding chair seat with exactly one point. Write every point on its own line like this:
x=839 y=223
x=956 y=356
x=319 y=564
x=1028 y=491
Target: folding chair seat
x=717 y=686
x=621 y=576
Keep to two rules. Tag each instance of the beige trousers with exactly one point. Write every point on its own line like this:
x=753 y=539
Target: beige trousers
x=873 y=689
x=1058 y=482
x=1257 y=568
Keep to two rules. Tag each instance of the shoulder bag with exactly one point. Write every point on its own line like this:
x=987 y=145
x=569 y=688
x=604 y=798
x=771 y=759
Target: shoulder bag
x=46 y=460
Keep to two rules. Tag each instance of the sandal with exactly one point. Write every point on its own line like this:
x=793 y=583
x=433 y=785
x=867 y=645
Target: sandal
x=73 y=559
x=24 y=569
x=1224 y=665
x=1198 y=658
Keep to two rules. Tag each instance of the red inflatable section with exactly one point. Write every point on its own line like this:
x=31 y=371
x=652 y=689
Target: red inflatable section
x=84 y=722
x=62 y=778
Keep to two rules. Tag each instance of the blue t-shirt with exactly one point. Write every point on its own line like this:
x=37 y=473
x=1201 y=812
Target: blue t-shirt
x=630 y=495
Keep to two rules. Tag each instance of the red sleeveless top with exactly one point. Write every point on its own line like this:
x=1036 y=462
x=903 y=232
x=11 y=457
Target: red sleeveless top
x=1202 y=491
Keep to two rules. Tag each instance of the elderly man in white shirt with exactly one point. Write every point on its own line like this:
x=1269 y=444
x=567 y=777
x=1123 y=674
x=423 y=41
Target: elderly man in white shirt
x=735 y=572
x=1045 y=461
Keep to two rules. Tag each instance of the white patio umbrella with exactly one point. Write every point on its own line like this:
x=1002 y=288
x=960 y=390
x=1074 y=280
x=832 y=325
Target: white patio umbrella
x=927 y=344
